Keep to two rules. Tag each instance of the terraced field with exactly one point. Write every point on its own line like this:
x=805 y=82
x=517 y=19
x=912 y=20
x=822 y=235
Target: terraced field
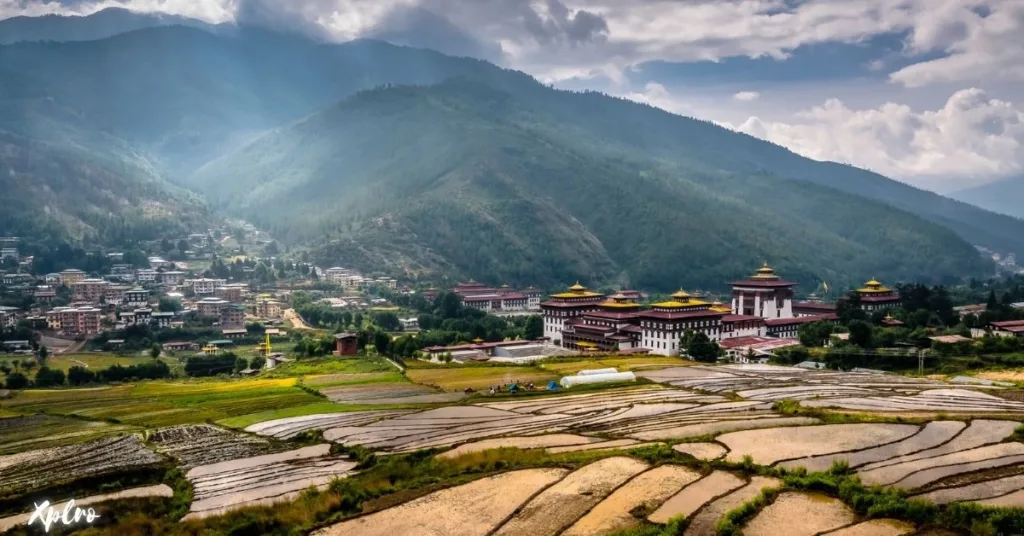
x=959 y=447
x=459 y=378
x=39 y=469
x=21 y=433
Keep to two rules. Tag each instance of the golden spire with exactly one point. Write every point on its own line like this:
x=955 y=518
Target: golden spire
x=765 y=273
x=577 y=287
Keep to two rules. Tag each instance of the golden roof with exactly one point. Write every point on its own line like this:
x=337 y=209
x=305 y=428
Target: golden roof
x=873 y=287
x=765 y=273
x=576 y=291
x=478 y=340
x=681 y=295
x=673 y=304
x=619 y=305
x=720 y=307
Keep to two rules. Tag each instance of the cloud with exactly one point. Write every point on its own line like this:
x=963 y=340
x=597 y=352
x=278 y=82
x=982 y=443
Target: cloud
x=747 y=96
x=655 y=94
x=972 y=138
x=979 y=45
x=557 y=39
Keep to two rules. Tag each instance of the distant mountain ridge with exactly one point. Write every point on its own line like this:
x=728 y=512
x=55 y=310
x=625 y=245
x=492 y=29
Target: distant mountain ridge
x=1005 y=196
x=252 y=120
x=100 y=25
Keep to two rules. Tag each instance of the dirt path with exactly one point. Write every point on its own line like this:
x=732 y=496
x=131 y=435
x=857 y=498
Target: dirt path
x=296 y=320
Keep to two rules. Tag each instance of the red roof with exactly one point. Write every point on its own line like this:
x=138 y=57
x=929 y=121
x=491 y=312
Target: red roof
x=632 y=329
x=611 y=315
x=740 y=318
x=1009 y=324
x=774 y=322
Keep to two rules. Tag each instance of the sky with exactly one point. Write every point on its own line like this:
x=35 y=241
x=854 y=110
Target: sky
x=928 y=92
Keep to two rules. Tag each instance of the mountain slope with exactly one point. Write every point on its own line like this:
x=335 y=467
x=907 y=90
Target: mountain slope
x=187 y=95
x=102 y=24
x=62 y=180
x=1005 y=196
x=464 y=178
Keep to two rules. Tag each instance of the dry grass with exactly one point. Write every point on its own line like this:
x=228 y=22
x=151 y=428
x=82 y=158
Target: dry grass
x=567 y=367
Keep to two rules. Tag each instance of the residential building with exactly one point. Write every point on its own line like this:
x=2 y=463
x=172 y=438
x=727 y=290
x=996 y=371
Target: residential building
x=754 y=349
x=163 y=320
x=9 y=252
x=139 y=316
x=17 y=279
x=71 y=276
x=171 y=278
x=160 y=262
x=764 y=294
x=533 y=297
x=8 y=316
x=875 y=297
x=267 y=308
x=75 y=320
x=562 y=307
x=146 y=275
x=90 y=290
x=337 y=274
x=204 y=286
x=234 y=293
x=114 y=294
x=211 y=307
x=409 y=324
x=51 y=279
x=136 y=297
x=232 y=316
x=1009 y=328
x=116 y=256
x=45 y=295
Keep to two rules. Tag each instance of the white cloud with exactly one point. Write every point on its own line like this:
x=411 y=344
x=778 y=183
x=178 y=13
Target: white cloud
x=656 y=95
x=556 y=39
x=978 y=48
x=972 y=138
x=747 y=96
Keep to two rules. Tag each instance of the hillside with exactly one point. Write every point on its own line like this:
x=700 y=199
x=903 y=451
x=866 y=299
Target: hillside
x=1004 y=196
x=65 y=181
x=465 y=178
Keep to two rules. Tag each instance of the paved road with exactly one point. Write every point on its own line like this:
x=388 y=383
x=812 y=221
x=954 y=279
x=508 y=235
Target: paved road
x=295 y=319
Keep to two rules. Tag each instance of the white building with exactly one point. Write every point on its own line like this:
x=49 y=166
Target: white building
x=204 y=286
x=764 y=294
x=145 y=275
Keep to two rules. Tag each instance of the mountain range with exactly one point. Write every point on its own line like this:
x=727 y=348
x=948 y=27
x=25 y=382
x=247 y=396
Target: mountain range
x=409 y=161
x=1004 y=196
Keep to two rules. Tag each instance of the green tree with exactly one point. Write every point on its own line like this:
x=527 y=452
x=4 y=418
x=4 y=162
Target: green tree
x=381 y=341
x=44 y=353
x=169 y=305
x=258 y=362
x=78 y=375
x=861 y=334
x=241 y=364
x=154 y=351
x=815 y=333
x=534 y=328
x=16 y=381
x=699 y=347
x=47 y=377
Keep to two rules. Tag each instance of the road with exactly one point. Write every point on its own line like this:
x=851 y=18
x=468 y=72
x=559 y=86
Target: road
x=296 y=320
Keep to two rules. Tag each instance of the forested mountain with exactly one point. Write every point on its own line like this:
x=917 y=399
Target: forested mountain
x=105 y=23
x=475 y=171
x=1005 y=196
x=468 y=178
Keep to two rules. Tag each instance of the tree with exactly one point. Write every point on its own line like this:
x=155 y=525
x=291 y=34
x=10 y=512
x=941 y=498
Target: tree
x=381 y=341
x=815 y=333
x=387 y=321
x=47 y=377
x=44 y=353
x=992 y=304
x=258 y=362
x=169 y=305
x=534 y=328
x=699 y=347
x=241 y=364
x=78 y=375
x=861 y=334
x=154 y=351
x=16 y=381
x=6 y=370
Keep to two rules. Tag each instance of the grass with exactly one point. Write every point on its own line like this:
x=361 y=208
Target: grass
x=331 y=365
x=165 y=403
x=567 y=367
x=336 y=380
x=94 y=361
x=459 y=378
